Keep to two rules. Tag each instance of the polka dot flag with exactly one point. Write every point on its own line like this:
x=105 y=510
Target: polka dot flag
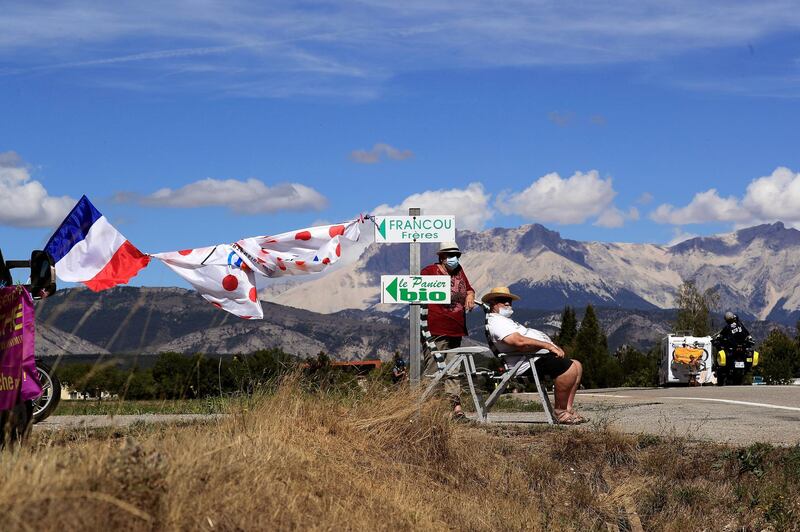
x=225 y=274
x=302 y=252
x=220 y=276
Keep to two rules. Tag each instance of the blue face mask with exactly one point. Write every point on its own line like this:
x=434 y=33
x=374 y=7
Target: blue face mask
x=451 y=263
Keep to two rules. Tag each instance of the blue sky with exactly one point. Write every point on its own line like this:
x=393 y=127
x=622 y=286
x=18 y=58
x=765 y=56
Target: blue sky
x=193 y=123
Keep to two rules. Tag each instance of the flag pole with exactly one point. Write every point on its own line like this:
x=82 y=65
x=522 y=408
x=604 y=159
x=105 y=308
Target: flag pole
x=413 y=313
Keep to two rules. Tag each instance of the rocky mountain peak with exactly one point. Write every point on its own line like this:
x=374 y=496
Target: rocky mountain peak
x=773 y=236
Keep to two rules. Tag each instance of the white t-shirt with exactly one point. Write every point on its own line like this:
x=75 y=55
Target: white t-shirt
x=500 y=327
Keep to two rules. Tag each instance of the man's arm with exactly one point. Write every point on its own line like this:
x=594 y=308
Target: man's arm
x=523 y=343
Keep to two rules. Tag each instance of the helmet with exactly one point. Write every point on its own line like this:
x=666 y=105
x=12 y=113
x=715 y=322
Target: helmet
x=400 y=363
x=730 y=317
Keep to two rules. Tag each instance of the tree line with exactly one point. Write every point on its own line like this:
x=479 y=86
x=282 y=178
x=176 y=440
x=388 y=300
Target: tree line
x=179 y=376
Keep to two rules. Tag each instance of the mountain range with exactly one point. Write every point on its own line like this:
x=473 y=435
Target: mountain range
x=754 y=271
x=127 y=320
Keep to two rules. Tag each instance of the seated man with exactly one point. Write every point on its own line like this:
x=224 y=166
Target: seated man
x=511 y=337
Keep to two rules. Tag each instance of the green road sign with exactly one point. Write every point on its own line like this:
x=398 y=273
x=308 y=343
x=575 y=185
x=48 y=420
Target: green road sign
x=406 y=229
x=424 y=289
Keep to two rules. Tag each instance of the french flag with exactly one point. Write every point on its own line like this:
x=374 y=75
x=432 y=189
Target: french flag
x=87 y=249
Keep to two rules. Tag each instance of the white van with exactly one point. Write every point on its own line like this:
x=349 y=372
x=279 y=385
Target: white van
x=686 y=360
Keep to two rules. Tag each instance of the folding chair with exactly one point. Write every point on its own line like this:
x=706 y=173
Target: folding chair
x=511 y=371
x=464 y=361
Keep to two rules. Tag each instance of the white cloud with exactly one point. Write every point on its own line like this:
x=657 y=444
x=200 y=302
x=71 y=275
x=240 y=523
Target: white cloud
x=767 y=199
x=644 y=199
x=774 y=197
x=552 y=198
x=24 y=202
x=678 y=236
x=561 y=119
x=284 y=48
x=470 y=205
x=379 y=151
x=248 y=197
x=613 y=217
x=706 y=206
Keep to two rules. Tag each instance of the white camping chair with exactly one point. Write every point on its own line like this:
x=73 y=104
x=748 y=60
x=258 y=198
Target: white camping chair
x=464 y=365
x=511 y=371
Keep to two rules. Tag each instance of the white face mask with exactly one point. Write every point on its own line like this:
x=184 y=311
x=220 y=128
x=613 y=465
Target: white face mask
x=451 y=263
x=506 y=312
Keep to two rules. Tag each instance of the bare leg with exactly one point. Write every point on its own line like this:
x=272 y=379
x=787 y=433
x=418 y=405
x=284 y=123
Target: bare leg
x=564 y=385
x=575 y=385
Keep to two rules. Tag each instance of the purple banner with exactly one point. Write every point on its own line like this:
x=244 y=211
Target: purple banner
x=19 y=380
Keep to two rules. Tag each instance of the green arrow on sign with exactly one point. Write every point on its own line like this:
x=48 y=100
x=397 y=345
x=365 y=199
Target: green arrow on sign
x=391 y=289
x=382 y=228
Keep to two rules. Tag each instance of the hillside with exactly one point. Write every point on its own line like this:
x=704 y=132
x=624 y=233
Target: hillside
x=152 y=320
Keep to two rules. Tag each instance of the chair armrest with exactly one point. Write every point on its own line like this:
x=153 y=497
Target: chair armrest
x=471 y=350
x=539 y=353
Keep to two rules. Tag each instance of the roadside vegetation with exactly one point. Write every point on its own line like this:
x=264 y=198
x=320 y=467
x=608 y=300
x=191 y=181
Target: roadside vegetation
x=119 y=407
x=331 y=458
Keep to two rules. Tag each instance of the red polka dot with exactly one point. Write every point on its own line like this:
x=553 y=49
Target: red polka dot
x=253 y=295
x=300 y=262
x=336 y=230
x=281 y=265
x=326 y=260
x=185 y=252
x=272 y=241
x=216 y=304
x=265 y=252
x=303 y=235
x=245 y=267
x=230 y=283
x=245 y=317
x=338 y=250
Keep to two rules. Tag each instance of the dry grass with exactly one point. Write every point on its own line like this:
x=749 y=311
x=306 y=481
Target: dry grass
x=294 y=460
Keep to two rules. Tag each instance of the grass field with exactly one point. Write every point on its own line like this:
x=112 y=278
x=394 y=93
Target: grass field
x=79 y=407
x=376 y=461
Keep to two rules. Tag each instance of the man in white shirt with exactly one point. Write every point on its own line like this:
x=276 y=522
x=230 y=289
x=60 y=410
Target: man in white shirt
x=512 y=337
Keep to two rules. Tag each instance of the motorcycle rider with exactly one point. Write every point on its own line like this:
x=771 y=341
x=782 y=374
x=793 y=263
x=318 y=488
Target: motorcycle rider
x=734 y=333
x=735 y=340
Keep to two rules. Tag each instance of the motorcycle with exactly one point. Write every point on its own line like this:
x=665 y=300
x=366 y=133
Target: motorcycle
x=733 y=361
x=42 y=284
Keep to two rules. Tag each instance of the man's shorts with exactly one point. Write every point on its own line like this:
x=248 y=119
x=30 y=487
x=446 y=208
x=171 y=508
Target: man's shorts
x=553 y=366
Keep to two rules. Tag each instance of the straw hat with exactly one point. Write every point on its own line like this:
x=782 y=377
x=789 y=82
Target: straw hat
x=448 y=247
x=497 y=292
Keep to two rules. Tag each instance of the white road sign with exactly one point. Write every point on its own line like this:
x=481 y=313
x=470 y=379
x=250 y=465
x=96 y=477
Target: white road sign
x=415 y=289
x=405 y=229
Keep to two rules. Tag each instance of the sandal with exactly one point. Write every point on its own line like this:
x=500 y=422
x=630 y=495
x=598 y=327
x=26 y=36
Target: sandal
x=578 y=417
x=566 y=418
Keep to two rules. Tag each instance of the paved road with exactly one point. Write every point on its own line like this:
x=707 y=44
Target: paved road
x=738 y=415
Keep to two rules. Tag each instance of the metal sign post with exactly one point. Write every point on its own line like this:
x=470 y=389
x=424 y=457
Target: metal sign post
x=413 y=313
x=412 y=230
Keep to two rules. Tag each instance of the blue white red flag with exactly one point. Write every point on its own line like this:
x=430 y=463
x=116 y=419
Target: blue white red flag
x=89 y=250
